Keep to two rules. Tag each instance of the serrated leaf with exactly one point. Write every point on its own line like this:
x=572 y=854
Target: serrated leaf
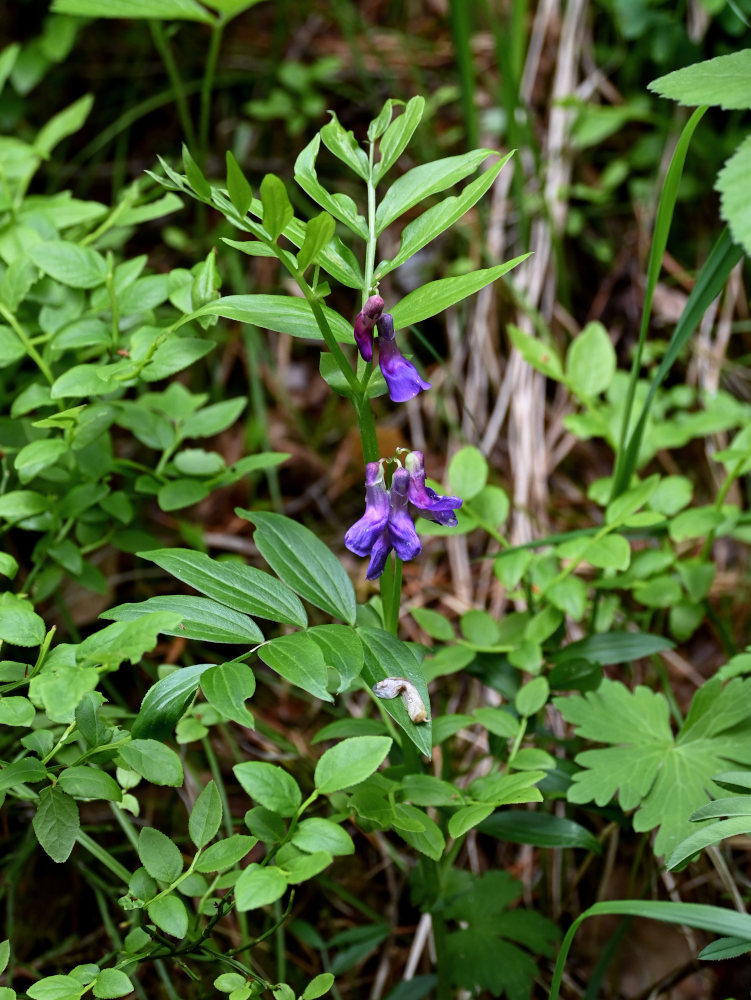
x=205 y=816
x=170 y=915
x=724 y=81
x=665 y=778
x=258 y=886
x=227 y=687
x=69 y=263
x=159 y=855
x=154 y=761
x=350 y=762
x=732 y=183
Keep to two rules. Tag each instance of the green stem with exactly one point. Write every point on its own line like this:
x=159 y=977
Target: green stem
x=368 y=435
x=207 y=87
x=30 y=349
x=160 y=40
x=370 y=250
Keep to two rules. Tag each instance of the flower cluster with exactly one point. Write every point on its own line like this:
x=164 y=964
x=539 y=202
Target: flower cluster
x=402 y=378
x=386 y=524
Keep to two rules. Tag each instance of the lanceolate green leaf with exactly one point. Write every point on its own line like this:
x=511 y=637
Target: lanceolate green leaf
x=280 y=313
x=723 y=258
x=440 y=217
x=396 y=137
x=243 y=588
x=299 y=660
x=166 y=702
x=433 y=298
x=708 y=918
x=304 y=562
x=388 y=656
x=202 y=618
x=420 y=182
x=163 y=10
x=340 y=206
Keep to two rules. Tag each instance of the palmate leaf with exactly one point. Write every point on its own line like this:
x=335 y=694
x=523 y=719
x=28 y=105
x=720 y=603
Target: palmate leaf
x=664 y=777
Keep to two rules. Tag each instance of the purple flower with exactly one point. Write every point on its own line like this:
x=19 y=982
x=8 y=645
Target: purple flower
x=386 y=524
x=362 y=535
x=429 y=503
x=364 y=323
x=402 y=378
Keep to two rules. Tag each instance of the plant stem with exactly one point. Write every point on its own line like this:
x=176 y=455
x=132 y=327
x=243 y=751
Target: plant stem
x=30 y=349
x=163 y=47
x=206 y=89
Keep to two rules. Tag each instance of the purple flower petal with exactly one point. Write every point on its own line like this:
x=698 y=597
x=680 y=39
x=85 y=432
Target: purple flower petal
x=402 y=534
x=402 y=378
x=378 y=555
x=362 y=535
x=364 y=323
x=429 y=503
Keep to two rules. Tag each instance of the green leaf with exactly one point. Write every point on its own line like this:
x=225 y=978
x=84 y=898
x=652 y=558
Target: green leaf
x=340 y=206
x=152 y=760
x=229 y=981
x=202 y=619
x=243 y=588
x=319 y=232
x=159 y=855
x=69 y=263
x=466 y=818
x=19 y=623
x=343 y=144
x=85 y=782
x=280 y=313
x=341 y=649
x=225 y=853
x=590 y=361
x=56 y=823
x=37 y=456
x=227 y=687
x=16 y=711
x=269 y=786
x=608 y=648
x=318 y=987
x=350 y=762
x=420 y=831
x=27 y=770
x=705 y=836
x=165 y=703
x=540 y=830
x=299 y=868
x=127 y=640
x=541 y=356
x=317 y=834
x=111 y=983
x=64 y=123
x=724 y=81
x=425 y=180
x=436 y=296
x=387 y=656
x=467 y=472
x=4 y=955
x=435 y=624
x=195 y=176
x=19 y=504
x=396 y=137
x=303 y=562
x=299 y=660
x=170 y=915
x=259 y=886
x=531 y=697
x=205 y=816
x=174 y=355
x=162 y=10
x=436 y=220
x=664 y=778
x=55 y=988
x=214 y=419
x=732 y=184
x=277 y=210
x=238 y=188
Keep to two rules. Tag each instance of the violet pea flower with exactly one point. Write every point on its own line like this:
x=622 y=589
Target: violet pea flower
x=364 y=323
x=362 y=535
x=428 y=503
x=399 y=534
x=402 y=378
